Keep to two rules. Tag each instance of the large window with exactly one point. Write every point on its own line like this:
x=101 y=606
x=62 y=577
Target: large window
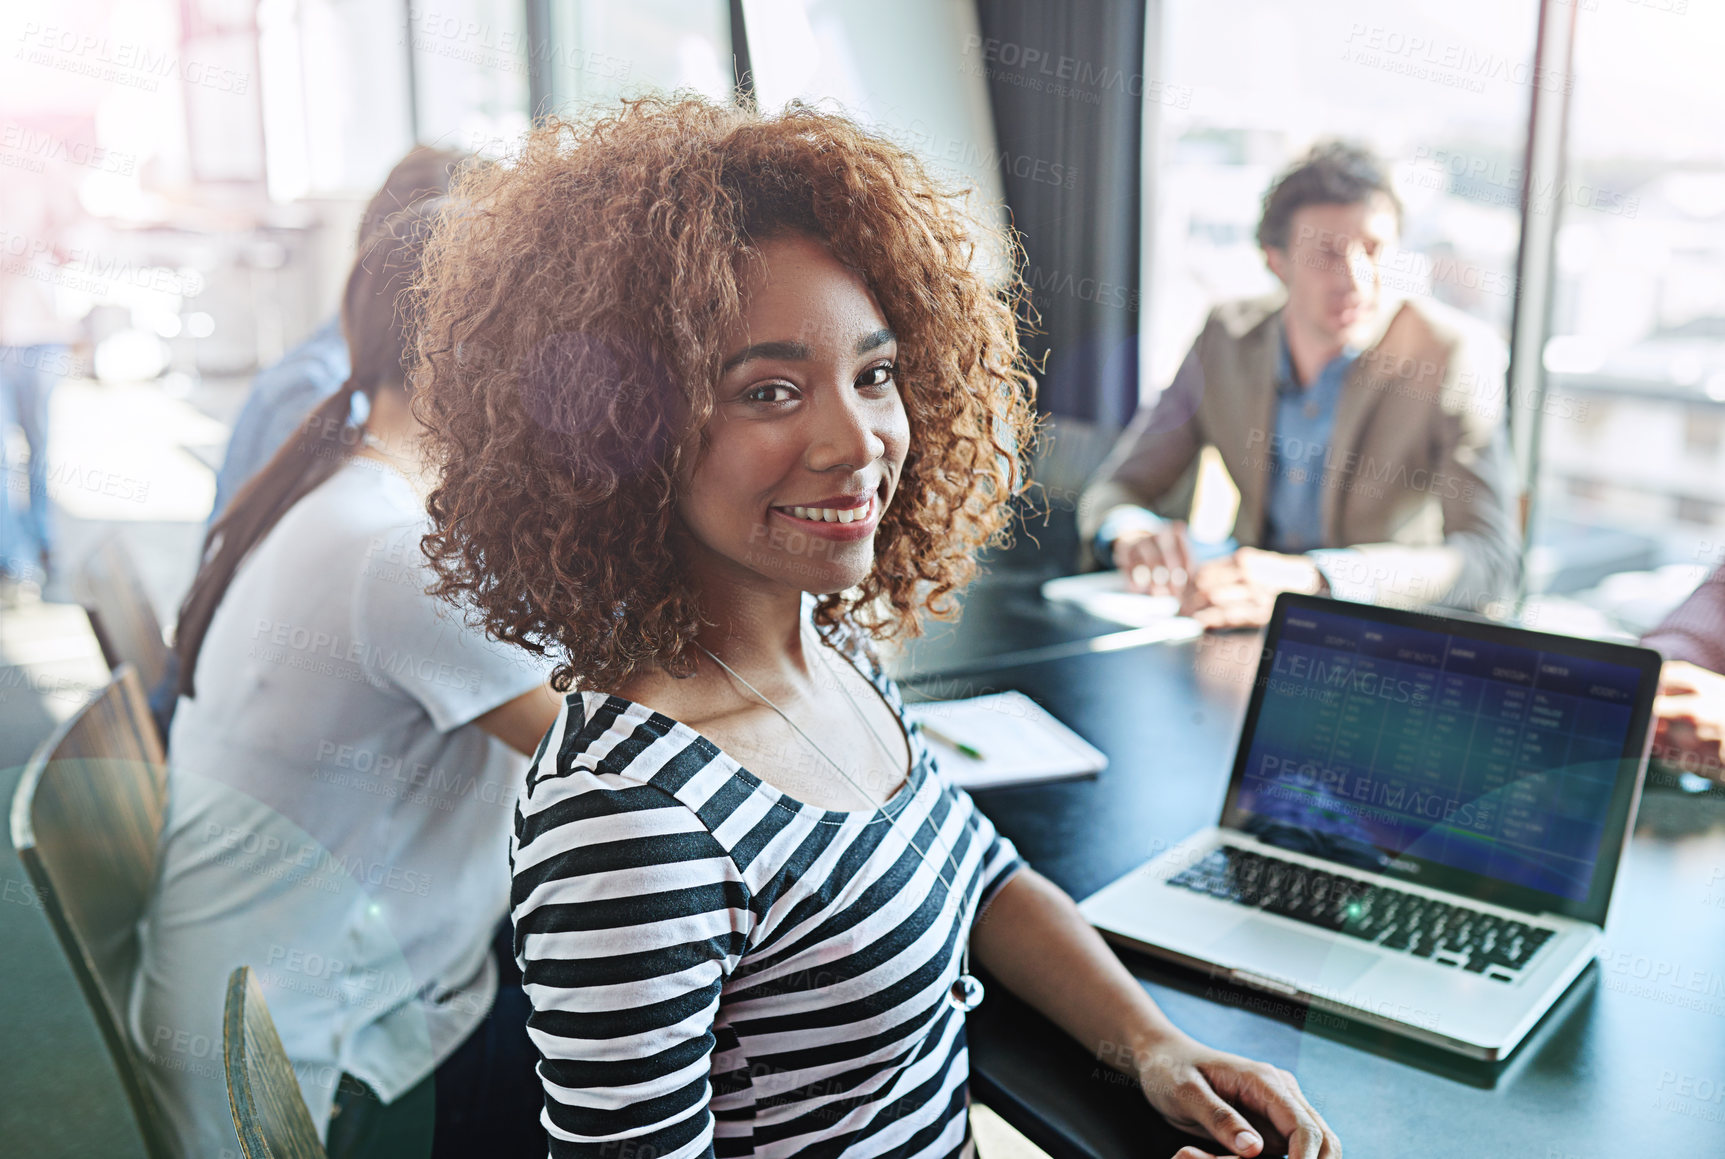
x=1441 y=92
x=598 y=51
x=1633 y=455
x=898 y=66
x=336 y=107
x=471 y=62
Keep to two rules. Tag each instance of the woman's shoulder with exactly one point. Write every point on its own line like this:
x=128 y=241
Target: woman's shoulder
x=612 y=771
x=605 y=741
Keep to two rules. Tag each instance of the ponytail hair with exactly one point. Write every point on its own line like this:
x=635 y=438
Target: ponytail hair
x=374 y=325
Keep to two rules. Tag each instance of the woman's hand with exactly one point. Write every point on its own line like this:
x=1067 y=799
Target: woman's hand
x=1250 y=1108
x=1032 y=938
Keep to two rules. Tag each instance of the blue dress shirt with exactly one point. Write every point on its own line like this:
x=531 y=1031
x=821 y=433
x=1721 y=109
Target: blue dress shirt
x=1298 y=451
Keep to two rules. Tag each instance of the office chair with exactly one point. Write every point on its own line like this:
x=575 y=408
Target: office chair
x=270 y=1115
x=86 y=822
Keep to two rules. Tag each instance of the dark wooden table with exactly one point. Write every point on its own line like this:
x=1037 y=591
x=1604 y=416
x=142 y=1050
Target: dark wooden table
x=1631 y=1061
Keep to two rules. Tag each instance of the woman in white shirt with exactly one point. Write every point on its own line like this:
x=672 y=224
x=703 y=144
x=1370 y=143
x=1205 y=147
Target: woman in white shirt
x=341 y=786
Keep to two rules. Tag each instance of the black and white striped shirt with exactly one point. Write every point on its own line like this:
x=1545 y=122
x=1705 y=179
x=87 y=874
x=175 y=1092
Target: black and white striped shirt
x=716 y=968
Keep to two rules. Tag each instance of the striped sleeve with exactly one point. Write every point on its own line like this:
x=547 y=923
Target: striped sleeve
x=1000 y=857
x=629 y=916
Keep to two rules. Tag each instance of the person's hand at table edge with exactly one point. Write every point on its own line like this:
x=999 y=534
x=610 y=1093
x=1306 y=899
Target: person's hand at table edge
x=1156 y=561
x=1239 y=591
x=1249 y=1108
x=1690 y=716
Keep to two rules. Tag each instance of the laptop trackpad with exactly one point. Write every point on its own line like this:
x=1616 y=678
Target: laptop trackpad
x=1306 y=959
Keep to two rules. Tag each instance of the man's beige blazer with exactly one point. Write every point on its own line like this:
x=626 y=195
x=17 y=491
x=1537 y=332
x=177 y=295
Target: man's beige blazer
x=1417 y=477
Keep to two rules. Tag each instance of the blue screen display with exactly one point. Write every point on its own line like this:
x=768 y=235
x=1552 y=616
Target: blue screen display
x=1492 y=759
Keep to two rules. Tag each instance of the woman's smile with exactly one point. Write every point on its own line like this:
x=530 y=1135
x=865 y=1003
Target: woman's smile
x=842 y=517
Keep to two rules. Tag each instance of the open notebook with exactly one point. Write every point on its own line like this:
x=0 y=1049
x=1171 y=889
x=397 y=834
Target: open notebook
x=1018 y=741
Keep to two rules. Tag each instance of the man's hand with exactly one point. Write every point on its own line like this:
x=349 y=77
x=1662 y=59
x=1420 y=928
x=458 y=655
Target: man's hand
x=1249 y=1108
x=1238 y=591
x=1690 y=711
x=1156 y=561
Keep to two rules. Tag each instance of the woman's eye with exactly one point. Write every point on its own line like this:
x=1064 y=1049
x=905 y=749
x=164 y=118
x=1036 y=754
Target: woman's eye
x=768 y=392
x=878 y=375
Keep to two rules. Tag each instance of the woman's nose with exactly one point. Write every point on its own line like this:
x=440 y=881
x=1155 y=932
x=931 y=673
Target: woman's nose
x=844 y=434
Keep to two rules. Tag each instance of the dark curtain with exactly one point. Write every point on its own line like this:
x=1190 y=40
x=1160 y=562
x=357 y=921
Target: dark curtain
x=1067 y=86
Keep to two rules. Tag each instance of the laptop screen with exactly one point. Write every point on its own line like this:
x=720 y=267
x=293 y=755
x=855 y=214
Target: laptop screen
x=1483 y=759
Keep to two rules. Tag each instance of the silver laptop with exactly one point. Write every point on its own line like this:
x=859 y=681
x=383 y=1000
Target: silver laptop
x=1424 y=824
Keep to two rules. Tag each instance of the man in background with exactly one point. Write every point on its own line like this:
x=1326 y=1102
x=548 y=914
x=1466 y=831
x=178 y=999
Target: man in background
x=1365 y=435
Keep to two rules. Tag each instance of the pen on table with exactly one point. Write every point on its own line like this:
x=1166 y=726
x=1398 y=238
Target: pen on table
x=970 y=751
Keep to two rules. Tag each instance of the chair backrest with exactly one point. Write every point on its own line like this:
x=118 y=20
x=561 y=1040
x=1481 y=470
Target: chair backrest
x=86 y=822
x=270 y=1114
x=120 y=612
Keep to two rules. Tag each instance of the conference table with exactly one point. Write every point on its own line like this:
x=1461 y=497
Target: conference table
x=1630 y=1061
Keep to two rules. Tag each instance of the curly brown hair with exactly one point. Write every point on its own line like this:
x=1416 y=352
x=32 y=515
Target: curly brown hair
x=569 y=323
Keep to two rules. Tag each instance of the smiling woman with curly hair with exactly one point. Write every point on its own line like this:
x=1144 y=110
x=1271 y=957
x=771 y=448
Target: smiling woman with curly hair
x=684 y=366
x=573 y=332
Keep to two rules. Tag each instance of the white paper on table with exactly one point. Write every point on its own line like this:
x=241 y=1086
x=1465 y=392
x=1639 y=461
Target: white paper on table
x=1019 y=740
x=1103 y=594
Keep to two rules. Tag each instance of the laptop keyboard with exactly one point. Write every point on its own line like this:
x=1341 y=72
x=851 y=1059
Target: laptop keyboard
x=1450 y=935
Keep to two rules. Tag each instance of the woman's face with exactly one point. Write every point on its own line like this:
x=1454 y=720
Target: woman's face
x=808 y=435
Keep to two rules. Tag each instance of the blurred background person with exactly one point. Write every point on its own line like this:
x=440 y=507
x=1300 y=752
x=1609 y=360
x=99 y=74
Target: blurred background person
x=281 y=396
x=340 y=786
x=1690 y=712
x=1365 y=434
x=35 y=353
